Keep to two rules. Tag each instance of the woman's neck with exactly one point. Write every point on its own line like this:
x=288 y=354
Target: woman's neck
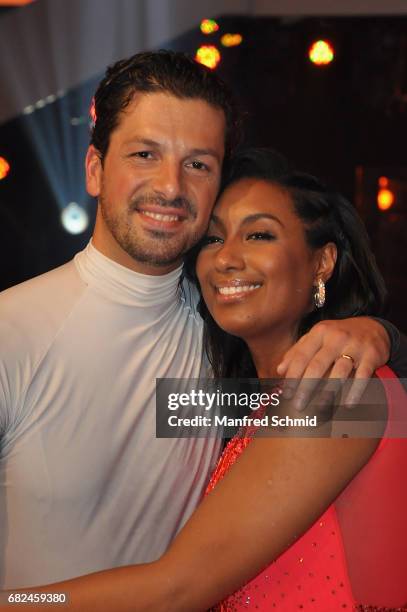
x=268 y=350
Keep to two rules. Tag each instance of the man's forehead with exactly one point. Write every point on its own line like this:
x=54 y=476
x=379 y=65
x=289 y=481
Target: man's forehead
x=157 y=107
x=156 y=119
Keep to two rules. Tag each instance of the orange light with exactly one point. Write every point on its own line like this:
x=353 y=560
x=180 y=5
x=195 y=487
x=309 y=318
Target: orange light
x=383 y=181
x=209 y=26
x=208 y=55
x=385 y=199
x=4 y=168
x=231 y=40
x=15 y=2
x=321 y=53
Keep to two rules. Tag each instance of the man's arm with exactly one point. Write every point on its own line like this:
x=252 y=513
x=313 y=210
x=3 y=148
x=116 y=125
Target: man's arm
x=398 y=352
x=321 y=351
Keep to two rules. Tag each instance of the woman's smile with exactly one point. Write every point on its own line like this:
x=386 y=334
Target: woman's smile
x=235 y=289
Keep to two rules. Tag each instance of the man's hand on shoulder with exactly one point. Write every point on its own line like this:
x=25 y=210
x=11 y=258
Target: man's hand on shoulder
x=336 y=349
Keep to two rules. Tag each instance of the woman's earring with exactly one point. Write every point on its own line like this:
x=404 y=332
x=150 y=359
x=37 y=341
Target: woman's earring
x=319 y=294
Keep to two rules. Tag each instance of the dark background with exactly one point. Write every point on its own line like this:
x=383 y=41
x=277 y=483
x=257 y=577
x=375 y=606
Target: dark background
x=345 y=123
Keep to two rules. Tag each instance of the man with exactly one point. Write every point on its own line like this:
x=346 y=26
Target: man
x=85 y=485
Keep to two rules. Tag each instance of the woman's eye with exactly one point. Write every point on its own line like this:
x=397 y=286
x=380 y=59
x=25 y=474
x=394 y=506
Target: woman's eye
x=261 y=236
x=210 y=240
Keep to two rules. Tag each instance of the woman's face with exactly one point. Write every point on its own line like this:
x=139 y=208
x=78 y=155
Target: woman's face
x=256 y=271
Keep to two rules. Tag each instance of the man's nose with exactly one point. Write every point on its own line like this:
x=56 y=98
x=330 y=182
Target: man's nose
x=229 y=257
x=168 y=182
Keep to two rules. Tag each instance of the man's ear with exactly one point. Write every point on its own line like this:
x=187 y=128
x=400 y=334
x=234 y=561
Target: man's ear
x=93 y=167
x=327 y=257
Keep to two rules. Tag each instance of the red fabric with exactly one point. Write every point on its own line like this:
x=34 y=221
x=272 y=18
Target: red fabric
x=355 y=555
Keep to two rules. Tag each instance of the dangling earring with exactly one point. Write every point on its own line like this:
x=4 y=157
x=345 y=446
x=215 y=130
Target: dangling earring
x=319 y=294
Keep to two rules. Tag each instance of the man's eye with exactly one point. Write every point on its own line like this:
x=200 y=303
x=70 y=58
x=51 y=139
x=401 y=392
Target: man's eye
x=206 y=240
x=198 y=165
x=142 y=154
x=261 y=236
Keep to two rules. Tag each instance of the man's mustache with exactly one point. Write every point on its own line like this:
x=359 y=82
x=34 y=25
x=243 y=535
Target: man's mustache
x=179 y=202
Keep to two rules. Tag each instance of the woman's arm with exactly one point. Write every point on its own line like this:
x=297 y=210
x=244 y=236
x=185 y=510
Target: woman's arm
x=272 y=495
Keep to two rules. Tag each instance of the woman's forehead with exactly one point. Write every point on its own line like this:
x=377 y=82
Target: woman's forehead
x=253 y=195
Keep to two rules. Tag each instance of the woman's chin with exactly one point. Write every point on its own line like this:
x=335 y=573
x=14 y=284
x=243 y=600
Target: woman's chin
x=241 y=329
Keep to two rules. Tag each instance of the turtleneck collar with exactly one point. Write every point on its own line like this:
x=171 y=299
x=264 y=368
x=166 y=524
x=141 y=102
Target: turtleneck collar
x=122 y=285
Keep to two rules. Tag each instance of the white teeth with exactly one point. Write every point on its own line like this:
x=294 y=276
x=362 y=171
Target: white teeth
x=239 y=289
x=160 y=217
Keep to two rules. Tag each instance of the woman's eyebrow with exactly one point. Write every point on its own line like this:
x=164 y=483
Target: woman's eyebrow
x=249 y=219
x=256 y=216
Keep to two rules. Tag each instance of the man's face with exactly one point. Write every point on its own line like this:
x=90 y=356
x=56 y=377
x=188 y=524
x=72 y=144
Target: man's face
x=158 y=181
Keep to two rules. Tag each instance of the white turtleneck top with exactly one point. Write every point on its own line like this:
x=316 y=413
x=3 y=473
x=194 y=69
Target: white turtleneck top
x=84 y=482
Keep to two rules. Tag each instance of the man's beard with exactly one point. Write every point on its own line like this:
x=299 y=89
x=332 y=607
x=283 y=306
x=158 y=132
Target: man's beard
x=152 y=247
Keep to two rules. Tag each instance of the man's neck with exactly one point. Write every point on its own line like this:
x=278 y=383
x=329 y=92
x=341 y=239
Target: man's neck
x=108 y=246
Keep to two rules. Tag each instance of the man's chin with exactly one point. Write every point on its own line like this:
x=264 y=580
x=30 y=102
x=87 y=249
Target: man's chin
x=155 y=259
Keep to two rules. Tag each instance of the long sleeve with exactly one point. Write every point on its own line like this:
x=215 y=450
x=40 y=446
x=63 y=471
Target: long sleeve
x=398 y=351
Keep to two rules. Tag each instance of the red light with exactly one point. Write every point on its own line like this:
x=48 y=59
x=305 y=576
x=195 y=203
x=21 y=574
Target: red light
x=321 y=53
x=208 y=55
x=383 y=181
x=4 y=168
x=92 y=112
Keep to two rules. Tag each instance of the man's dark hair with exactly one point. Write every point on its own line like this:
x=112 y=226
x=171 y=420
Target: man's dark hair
x=356 y=286
x=159 y=71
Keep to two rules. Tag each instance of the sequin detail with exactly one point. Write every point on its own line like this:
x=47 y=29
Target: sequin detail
x=311 y=574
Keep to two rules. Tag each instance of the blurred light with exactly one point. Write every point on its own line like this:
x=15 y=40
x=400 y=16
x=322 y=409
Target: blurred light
x=209 y=26
x=4 y=168
x=75 y=121
x=39 y=104
x=321 y=53
x=208 y=55
x=383 y=181
x=74 y=218
x=15 y=2
x=231 y=40
x=385 y=199
x=92 y=112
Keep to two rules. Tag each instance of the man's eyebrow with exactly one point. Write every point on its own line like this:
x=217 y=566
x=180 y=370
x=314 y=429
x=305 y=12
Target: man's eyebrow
x=249 y=219
x=145 y=141
x=208 y=151
x=154 y=143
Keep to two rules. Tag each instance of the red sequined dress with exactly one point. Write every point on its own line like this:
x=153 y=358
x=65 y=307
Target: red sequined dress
x=354 y=557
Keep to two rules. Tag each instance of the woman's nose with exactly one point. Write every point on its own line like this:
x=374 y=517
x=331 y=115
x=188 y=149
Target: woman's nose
x=229 y=257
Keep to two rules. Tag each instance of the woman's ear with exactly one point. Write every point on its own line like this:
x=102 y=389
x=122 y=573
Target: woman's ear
x=326 y=261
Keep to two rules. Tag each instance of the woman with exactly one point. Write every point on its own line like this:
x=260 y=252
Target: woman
x=336 y=532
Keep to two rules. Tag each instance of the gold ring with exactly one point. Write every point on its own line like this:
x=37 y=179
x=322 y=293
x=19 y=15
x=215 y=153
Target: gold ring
x=345 y=356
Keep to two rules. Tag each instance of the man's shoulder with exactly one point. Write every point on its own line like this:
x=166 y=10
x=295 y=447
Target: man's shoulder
x=46 y=290
x=37 y=307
